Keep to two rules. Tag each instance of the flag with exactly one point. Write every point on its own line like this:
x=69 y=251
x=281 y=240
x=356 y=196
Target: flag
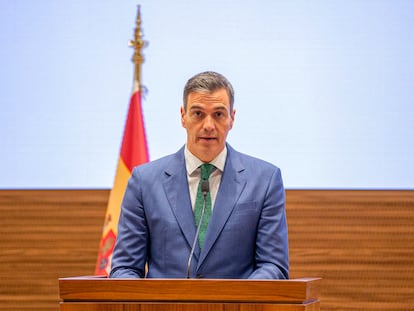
x=134 y=151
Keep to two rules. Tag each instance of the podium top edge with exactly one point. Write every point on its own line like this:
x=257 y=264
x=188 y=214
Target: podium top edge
x=105 y=278
x=101 y=288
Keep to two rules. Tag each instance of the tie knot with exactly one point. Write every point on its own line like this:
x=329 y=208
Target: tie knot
x=206 y=170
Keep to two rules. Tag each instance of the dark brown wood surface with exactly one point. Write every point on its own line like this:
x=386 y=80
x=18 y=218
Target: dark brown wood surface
x=361 y=243
x=313 y=306
x=180 y=294
x=192 y=290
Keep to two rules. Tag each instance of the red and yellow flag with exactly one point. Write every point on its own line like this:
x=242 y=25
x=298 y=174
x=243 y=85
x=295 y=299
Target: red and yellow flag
x=134 y=151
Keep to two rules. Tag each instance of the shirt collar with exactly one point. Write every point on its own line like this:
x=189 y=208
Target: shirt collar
x=192 y=163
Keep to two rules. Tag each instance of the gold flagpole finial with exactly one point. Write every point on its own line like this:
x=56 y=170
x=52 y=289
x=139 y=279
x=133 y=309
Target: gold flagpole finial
x=138 y=43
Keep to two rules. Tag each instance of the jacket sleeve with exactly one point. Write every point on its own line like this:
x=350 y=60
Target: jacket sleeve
x=272 y=253
x=130 y=252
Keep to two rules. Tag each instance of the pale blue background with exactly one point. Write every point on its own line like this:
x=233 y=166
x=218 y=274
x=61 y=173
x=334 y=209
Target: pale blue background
x=324 y=89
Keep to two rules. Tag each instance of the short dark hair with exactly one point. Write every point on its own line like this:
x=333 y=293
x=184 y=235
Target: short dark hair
x=208 y=82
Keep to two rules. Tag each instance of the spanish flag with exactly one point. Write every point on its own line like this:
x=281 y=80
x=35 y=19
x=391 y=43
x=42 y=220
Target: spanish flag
x=134 y=152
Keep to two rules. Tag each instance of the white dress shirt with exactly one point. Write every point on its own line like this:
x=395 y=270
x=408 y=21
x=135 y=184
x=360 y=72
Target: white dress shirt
x=192 y=164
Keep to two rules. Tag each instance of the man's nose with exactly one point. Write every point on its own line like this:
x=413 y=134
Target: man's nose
x=209 y=123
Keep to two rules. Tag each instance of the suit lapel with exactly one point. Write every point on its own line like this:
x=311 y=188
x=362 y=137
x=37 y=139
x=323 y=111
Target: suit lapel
x=177 y=193
x=231 y=186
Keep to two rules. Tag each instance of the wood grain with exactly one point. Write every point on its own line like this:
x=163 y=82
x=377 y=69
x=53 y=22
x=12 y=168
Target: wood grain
x=193 y=290
x=187 y=307
x=46 y=234
x=361 y=244
x=193 y=294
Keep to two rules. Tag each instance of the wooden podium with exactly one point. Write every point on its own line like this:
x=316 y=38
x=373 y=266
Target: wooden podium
x=103 y=294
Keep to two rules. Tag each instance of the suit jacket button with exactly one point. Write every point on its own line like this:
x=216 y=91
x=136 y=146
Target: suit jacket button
x=199 y=276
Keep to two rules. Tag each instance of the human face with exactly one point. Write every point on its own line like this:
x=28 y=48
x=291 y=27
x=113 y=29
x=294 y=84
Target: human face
x=207 y=120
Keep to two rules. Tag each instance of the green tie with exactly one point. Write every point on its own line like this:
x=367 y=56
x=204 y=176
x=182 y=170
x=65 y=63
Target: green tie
x=206 y=170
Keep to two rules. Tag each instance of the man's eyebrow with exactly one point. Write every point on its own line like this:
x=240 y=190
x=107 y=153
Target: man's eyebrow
x=195 y=107
x=202 y=108
x=220 y=108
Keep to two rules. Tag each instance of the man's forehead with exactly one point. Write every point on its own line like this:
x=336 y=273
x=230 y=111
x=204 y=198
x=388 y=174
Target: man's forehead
x=219 y=97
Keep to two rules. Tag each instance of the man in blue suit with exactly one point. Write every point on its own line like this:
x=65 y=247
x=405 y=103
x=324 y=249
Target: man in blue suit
x=246 y=236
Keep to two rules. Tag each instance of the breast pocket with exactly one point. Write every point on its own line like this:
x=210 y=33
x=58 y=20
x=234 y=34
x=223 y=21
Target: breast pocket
x=244 y=218
x=246 y=208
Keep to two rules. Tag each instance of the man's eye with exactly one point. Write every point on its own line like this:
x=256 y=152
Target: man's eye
x=219 y=114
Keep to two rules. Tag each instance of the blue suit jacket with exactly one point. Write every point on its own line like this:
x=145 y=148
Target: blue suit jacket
x=246 y=236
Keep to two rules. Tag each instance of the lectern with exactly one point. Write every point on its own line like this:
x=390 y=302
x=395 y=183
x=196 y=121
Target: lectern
x=103 y=294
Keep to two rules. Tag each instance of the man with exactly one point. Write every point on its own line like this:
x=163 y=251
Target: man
x=246 y=235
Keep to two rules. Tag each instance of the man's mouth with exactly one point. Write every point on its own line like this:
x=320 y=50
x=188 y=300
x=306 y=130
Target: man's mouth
x=207 y=138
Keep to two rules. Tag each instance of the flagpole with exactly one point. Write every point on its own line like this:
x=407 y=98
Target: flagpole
x=134 y=151
x=138 y=43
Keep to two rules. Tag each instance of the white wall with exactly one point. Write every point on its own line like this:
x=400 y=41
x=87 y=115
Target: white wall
x=324 y=89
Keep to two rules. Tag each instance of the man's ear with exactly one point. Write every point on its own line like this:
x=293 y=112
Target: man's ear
x=232 y=118
x=182 y=112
